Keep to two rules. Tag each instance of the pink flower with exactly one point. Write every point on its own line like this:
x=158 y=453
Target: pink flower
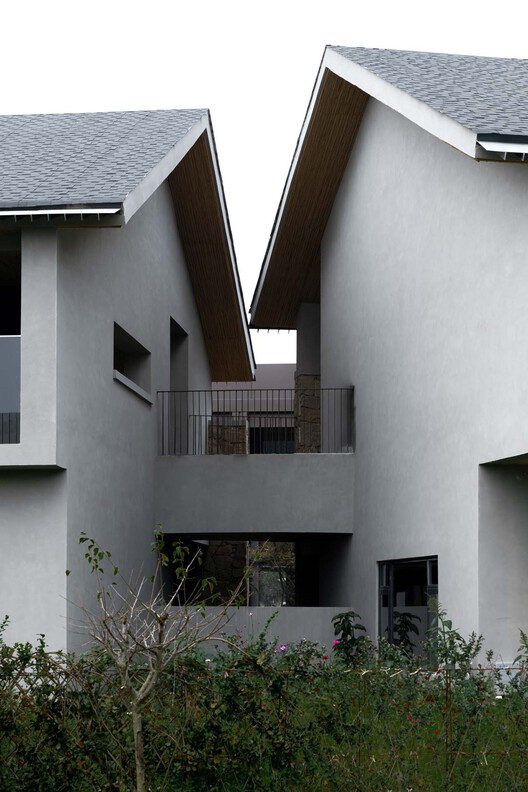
x=335 y=643
x=283 y=647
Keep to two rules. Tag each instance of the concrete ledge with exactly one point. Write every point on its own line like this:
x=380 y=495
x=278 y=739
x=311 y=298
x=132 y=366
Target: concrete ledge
x=131 y=385
x=289 y=625
x=266 y=494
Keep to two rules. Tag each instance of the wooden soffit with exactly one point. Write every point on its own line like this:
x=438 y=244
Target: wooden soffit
x=212 y=269
x=290 y=275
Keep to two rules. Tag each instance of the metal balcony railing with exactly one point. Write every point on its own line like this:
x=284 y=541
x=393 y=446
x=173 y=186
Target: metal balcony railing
x=9 y=428
x=9 y=389
x=267 y=421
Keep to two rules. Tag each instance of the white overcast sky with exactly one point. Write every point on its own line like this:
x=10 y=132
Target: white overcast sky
x=253 y=64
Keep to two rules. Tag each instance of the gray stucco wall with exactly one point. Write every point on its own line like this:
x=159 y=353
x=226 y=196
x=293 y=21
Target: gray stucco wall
x=33 y=555
x=107 y=439
x=309 y=339
x=287 y=625
x=255 y=494
x=423 y=308
x=503 y=556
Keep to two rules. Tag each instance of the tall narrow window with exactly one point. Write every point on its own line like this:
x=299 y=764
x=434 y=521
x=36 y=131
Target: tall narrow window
x=404 y=590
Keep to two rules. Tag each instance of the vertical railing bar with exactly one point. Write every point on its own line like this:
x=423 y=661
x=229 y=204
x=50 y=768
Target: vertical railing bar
x=204 y=407
x=197 y=423
x=279 y=420
x=282 y=418
x=177 y=430
x=341 y=425
x=176 y=423
x=163 y=425
x=334 y=445
x=181 y=406
x=178 y=426
x=273 y=428
x=178 y=439
x=172 y=422
x=260 y=422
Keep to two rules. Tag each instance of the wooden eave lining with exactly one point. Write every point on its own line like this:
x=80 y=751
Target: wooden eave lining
x=203 y=237
x=293 y=271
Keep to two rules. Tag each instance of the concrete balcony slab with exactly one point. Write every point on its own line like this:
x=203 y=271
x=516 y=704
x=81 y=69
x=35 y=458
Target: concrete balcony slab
x=266 y=494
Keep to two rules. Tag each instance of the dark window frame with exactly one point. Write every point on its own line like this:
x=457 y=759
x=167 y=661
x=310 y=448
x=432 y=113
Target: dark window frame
x=386 y=583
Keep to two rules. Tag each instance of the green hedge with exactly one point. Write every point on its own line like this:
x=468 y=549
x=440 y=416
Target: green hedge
x=260 y=717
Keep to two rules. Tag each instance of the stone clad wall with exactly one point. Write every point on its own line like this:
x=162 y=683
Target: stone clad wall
x=307 y=411
x=226 y=437
x=226 y=561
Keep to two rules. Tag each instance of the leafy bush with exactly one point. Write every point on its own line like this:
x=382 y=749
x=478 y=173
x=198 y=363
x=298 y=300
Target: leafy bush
x=267 y=717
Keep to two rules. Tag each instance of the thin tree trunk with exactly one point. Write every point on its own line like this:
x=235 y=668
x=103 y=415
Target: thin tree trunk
x=139 y=748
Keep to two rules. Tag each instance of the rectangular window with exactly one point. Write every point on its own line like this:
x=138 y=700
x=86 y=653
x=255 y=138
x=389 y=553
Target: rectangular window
x=404 y=590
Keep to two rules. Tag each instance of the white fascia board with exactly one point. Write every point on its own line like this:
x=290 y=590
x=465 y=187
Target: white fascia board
x=437 y=124
x=161 y=171
x=232 y=256
x=503 y=147
x=54 y=212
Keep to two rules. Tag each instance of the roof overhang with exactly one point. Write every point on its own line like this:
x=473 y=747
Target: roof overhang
x=205 y=234
x=192 y=170
x=507 y=147
x=290 y=269
x=61 y=217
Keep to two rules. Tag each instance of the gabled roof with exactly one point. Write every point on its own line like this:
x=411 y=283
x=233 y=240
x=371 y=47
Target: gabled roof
x=81 y=159
x=477 y=105
x=485 y=95
x=98 y=169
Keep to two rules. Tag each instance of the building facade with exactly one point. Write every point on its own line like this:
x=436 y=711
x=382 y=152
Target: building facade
x=400 y=242
x=108 y=256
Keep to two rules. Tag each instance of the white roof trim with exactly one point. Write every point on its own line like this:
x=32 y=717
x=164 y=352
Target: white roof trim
x=417 y=111
x=500 y=146
x=161 y=171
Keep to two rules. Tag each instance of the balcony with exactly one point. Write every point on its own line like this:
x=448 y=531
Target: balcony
x=9 y=389
x=267 y=421
x=258 y=463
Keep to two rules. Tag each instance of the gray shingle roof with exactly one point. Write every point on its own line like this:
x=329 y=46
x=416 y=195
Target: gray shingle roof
x=485 y=95
x=84 y=158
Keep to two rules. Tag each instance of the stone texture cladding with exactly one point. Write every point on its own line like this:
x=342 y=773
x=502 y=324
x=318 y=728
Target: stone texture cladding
x=228 y=435
x=226 y=561
x=307 y=411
